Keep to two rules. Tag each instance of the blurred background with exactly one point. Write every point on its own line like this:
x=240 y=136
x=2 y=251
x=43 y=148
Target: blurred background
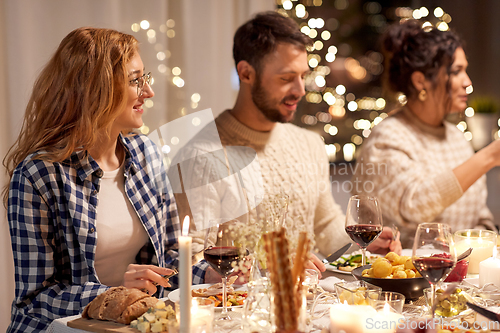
x=187 y=45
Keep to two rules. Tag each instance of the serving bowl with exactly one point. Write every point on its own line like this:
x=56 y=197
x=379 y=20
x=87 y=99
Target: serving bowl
x=411 y=288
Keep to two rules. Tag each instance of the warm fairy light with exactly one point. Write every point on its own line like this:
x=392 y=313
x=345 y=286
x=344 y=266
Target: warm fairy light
x=174 y=140
x=196 y=121
x=151 y=33
x=427 y=25
x=336 y=111
x=340 y=89
x=161 y=56
x=176 y=71
x=144 y=24
x=424 y=11
x=333 y=130
x=332 y=49
x=329 y=98
x=462 y=126
x=320 y=81
x=149 y=103
x=417 y=14
x=165 y=149
x=313 y=33
x=162 y=68
x=468 y=136
x=366 y=133
x=325 y=35
x=352 y=106
x=318 y=45
x=185 y=226
x=313 y=62
x=178 y=81
x=305 y=30
x=469 y=89
x=195 y=98
x=469 y=112
x=135 y=27
x=170 y=23
x=443 y=26
x=287 y=5
x=300 y=10
x=330 y=57
x=171 y=33
x=438 y=12
x=356 y=139
x=349 y=149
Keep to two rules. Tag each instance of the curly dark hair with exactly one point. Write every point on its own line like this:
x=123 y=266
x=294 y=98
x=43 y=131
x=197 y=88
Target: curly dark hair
x=408 y=48
x=260 y=36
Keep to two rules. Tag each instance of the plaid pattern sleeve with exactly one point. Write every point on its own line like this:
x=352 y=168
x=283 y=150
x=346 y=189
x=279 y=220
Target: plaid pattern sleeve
x=51 y=217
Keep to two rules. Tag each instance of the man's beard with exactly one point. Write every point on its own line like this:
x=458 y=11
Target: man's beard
x=267 y=105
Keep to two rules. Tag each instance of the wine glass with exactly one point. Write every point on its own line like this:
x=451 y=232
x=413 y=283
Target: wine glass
x=434 y=254
x=363 y=222
x=223 y=251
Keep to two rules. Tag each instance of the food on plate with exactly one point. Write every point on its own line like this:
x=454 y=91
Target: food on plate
x=347 y=263
x=155 y=319
x=392 y=266
x=119 y=304
x=214 y=292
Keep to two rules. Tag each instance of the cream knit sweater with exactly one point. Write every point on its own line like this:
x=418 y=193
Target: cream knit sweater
x=409 y=166
x=289 y=158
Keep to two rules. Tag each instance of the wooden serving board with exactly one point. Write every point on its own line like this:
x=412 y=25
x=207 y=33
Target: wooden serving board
x=100 y=326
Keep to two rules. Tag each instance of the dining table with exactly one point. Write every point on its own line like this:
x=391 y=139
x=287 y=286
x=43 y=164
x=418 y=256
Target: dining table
x=321 y=324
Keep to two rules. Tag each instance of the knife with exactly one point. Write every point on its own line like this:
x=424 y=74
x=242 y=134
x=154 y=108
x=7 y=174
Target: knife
x=484 y=312
x=337 y=254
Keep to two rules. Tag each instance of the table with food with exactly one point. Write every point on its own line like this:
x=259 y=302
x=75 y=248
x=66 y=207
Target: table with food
x=447 y=282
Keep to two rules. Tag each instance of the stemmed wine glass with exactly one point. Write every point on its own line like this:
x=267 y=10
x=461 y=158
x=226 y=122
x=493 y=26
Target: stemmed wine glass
x=434 y=254
x=363 y=221
x=222 y=251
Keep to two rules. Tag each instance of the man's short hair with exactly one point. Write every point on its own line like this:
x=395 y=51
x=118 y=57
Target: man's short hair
x=261 y=35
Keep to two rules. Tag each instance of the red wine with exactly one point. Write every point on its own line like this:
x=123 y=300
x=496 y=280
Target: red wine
x=363 y=234
x=433 y=269
x=221 y=258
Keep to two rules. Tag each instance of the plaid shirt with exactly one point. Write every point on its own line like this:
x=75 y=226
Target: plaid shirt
x=52 y=219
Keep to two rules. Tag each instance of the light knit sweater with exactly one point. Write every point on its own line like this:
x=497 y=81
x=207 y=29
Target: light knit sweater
x=409 y=166
x=289 y=158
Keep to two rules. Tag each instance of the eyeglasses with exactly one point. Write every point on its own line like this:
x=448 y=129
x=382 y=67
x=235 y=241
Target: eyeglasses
x=140 y=82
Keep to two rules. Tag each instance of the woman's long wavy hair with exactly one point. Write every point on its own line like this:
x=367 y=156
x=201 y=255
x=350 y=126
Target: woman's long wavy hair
x=77 y=96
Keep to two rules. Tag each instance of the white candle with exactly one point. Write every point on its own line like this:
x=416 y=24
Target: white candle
x=483 y=247
x=185 y=278
x=350 y=319
x=489 y=272
x=363 y=319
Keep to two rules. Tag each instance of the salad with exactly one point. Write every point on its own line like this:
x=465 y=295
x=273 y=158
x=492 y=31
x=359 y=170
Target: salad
x=349 y=262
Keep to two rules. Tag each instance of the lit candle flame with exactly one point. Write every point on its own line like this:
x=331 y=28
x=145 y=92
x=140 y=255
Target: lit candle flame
x=185 y=226
x=387 y=308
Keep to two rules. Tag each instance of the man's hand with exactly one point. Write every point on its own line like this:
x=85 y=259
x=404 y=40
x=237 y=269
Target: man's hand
x=385 y=243
x=316 y=264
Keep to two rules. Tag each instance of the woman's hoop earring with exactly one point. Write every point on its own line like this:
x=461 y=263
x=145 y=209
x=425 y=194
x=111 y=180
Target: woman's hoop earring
x=422 y=95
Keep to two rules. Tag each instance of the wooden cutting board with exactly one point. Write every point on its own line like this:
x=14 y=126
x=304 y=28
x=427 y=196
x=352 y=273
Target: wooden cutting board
x=100 y=326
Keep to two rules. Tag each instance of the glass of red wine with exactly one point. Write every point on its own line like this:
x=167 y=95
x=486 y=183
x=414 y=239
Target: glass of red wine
x=223 y=252
x=434 y=254
x=363 y=222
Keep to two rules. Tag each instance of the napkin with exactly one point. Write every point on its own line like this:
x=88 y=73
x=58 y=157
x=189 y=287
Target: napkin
x=328 y=283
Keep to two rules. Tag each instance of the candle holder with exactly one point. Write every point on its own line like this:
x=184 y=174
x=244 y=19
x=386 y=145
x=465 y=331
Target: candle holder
x=390 y=300
x=356 y=292
x=483 y=244
x=202 y=315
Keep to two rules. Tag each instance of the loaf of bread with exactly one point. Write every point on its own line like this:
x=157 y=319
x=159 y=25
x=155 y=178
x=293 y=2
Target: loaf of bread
x=119 y=304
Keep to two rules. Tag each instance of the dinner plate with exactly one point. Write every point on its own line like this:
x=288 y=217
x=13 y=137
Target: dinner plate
x=174 y=295
x=331 y=268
